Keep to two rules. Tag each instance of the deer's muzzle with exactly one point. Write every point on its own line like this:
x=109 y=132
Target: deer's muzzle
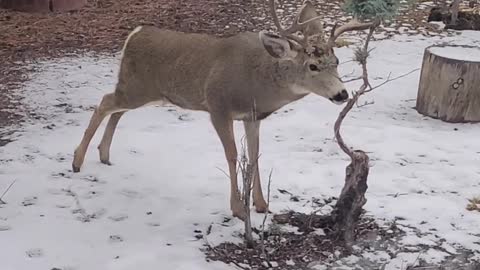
x=340 y=97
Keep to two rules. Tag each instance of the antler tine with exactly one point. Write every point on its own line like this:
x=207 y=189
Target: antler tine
x=288 y=33
x=353 y=25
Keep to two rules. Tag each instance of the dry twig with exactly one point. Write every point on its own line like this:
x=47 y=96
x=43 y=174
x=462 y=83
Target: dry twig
x=246 y=170
x=474 y=204
x=262 y=233
x=362 y=52
x=5 y=192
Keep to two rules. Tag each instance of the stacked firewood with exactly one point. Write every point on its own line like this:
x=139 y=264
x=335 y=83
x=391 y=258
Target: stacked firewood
x=468 y=16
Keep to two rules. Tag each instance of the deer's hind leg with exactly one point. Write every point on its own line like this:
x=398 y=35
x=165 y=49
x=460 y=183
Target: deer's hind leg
x=106 y=142
x=107 y=106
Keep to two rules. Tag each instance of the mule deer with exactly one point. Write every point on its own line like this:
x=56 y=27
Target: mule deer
x=245 y=77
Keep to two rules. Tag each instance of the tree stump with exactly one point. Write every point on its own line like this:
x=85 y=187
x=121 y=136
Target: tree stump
x=349 y=206
x=449 y=86
x=42 y=5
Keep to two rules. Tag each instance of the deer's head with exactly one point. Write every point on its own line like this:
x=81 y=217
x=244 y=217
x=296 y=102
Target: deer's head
x=313 y=58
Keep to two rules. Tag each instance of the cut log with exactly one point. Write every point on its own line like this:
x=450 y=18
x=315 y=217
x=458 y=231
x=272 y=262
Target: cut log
x=449 y=87
x=42 y=5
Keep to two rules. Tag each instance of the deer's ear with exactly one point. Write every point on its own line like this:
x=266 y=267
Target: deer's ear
x=309 y=12
x=276 y=46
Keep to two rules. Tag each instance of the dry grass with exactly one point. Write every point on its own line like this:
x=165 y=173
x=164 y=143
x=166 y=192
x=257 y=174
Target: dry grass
x=474 y=204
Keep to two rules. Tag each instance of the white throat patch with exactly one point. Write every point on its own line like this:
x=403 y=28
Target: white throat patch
x=299 y=90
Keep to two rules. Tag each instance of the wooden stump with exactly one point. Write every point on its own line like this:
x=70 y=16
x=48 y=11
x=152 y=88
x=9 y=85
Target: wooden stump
x=42 y=5
x=449 y=86
x=349 y=206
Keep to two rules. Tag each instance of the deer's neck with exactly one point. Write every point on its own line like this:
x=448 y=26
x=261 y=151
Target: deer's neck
x=285 y=80
x=272 y=87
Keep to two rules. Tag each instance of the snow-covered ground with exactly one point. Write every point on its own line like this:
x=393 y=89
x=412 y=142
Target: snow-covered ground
x=165 y=183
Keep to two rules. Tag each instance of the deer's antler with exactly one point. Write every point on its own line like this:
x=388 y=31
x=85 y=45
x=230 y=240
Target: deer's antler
x=353 y=25
x=295 y=27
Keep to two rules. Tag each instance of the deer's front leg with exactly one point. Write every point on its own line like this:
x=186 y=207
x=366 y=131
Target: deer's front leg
x=224 y=127
x=252 y=131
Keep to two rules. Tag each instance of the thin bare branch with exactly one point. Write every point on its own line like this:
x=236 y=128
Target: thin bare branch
x=345 y=62
x=246 y=169
x=353 y=79
x=353 y=100
x=224 y=172
x=365 y=88
x=392 y=79
x=366 y=103
x=262 y=235
x=5 y=192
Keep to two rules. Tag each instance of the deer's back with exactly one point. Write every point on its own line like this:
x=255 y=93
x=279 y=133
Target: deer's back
x=162 y=64
x=197 y=71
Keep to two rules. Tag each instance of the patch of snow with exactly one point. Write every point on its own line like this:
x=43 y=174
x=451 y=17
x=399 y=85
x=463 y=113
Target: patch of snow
x=402 y=261
x=319 y=267
x=471 y=54
x=438 y=25
x=389 y=29
x=414 y=240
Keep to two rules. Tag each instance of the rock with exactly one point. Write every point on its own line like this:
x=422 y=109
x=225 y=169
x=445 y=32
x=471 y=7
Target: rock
x=34 y=253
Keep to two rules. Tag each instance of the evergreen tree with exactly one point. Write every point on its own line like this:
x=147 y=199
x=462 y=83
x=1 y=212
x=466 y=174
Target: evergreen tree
x=371 y=9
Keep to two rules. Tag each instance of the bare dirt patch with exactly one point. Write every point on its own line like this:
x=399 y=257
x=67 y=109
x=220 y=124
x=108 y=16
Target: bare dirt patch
x=297 y=240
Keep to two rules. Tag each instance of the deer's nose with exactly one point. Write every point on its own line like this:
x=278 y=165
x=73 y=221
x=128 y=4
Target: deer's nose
x=342 y=96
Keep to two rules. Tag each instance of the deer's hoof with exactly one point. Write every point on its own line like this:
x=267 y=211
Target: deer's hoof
x=238 y=210
x=260 y=205
x=106 y=162
x=261 y=208
x=75 y=169
x=240 y=215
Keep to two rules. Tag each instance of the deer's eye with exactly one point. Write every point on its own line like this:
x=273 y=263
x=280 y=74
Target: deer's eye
x=313 y=67
x=318 y=52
